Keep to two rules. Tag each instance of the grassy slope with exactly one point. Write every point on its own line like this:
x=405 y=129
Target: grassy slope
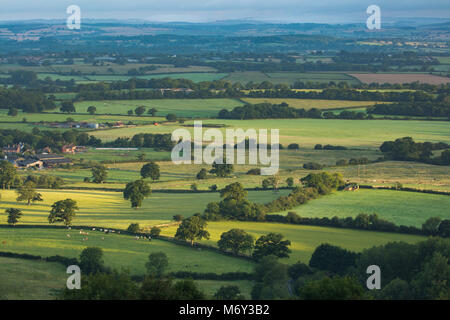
x=305 y=239
x=109 y=209
x=120 y=251
x=400 y=207
x=22 y=279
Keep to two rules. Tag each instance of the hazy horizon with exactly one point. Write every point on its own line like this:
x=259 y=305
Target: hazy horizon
x=288 y=11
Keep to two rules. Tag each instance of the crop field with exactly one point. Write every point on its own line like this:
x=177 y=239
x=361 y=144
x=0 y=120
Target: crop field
x=400 y=78
x=181 y=107
x=109 y=209
x=305 y=239
x=289 y=77
x=400 y=207
x=120 y=251
x=308 y=132
x=313 y=103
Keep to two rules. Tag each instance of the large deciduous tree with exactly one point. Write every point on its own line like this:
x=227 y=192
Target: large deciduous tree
x=136 y=191
x=27 y=192
x=192 y=229
x=63 y=211
x=13 y=215
x=68 y=107
x=150 y=170
x=272 y=244
x=8 y=174
x=99 y=174
x=157 y=264
x=236 y=240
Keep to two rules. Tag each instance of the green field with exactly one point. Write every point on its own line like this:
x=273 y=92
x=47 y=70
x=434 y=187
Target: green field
x=22 y=279
x=312 y=103
x=109 y=209
x=190 y=108
x=120 y=251
x=62 y=117
x=289 y=77
x=308 y=132
x=196 y=77
x=94 y=154
x=304 y=239
x=400 y=207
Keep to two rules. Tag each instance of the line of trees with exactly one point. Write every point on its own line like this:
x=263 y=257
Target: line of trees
x=31 y=101
x=405 y=149
x=420 y=109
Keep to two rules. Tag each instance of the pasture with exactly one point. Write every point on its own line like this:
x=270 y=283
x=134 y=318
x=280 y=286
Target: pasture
x=22 y=279
x=305 y=239
x=400 y=207
x=308 y=132
x=99 y=154
x=190 y=108
x=109 y=209
x=120 y=251
x=53 y=116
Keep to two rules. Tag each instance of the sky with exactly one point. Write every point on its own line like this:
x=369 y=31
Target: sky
x=320 y=11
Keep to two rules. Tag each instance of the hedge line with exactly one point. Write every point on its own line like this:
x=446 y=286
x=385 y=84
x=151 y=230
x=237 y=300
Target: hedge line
x=60 y=259
x=228 y=276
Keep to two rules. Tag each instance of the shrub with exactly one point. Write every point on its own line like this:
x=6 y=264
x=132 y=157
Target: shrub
x=313 y=166
x=155 y=231
x=134 y=228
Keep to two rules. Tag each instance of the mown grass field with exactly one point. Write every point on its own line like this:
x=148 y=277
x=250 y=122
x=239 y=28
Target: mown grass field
x=308 y=132
x=304 y=239
x=400 y=207
x=120 y=251
x=312 y=103
x=181 y=107
x=109 y=209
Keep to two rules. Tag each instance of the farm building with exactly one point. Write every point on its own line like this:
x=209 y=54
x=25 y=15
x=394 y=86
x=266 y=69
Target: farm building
x=14 y=149
x=29 y=163
x=69 y=148
x=351 y=187
x=51 y=160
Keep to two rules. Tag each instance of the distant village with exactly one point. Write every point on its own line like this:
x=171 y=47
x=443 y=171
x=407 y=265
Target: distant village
x=45 y=158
